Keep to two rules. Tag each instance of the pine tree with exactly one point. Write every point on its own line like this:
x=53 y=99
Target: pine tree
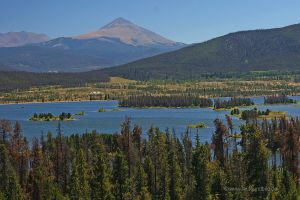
x=137 y=140
x=41 y=181
x=218 y=183
x=228 y=138
x=13 y=190
x=140 y=180
x=175 y=179
x=271 y=133
x=127 y=146
x=175 y=172
x=287 y=189
x=291 y=150
x=163 y=180
x=257 y=165
x=236 y=173
x=247 y=130
x=159 y=157
x=75 y=185
x=79 y=184
x=149 y=170
x=19 y=152
x=5 y=130
x=188 y=175
x=120 y=177
x=218 y=141
x=101 y=185
x=200 y=161
x=60 y=162
x=9 y=185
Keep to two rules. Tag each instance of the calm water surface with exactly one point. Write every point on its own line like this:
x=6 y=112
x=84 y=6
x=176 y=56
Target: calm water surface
x=109 y=122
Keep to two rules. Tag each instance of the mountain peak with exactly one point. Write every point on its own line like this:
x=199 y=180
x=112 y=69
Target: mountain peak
x=118 y=22
x=128 y=33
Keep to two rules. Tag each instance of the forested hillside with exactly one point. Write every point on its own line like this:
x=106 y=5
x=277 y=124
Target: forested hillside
x=158 y=166
x=40 y=59
x=257 y=50
x=23 y=80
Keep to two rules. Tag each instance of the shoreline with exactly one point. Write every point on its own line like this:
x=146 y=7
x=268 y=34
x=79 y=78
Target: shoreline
x=50 y=102
x=87 y=100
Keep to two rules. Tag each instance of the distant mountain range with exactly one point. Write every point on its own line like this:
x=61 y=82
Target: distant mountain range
x=256 y=50
x=14 y=39
x=128 y=33
x=116 y=43
x=121 y=42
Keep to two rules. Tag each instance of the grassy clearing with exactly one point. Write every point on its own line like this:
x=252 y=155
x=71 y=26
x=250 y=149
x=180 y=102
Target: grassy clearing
x=120 y=80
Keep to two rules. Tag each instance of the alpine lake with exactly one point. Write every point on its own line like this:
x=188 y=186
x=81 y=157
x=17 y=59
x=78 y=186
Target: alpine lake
x=109 y=121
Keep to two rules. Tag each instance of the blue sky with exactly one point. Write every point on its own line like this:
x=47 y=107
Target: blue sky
x=186 y=21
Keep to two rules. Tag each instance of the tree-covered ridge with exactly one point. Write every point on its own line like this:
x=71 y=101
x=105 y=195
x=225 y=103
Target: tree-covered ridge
x=165 y=101
x=232 y=102
x=278 y=99
x=158 y=166
x=244 y=51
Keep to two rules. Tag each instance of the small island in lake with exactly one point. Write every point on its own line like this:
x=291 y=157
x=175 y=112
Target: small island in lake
x=81 y=113
x=256 y=114
x=112 y=110
x=102 y=110
x=50 y=117
x=116 y=109
x=200 y=125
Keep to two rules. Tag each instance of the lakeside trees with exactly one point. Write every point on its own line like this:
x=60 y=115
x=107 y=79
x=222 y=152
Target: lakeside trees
x=159 y=166
x=232 y=102
x=278 y=99
x=166 y=101
x=23 y=80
